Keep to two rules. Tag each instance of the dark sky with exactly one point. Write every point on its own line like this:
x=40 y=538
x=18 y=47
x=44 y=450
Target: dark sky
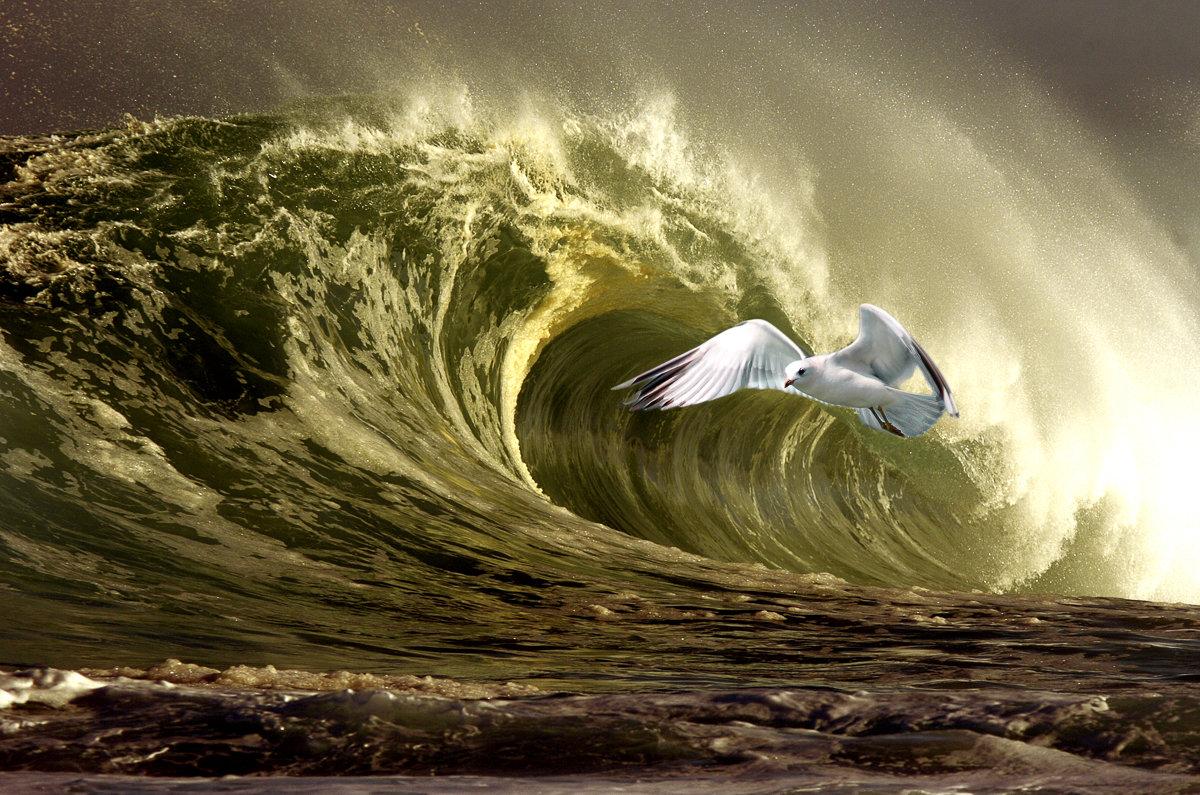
x=85 y=63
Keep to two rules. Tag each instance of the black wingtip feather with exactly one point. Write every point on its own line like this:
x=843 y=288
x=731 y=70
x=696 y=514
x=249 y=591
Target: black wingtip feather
x=654 y=382
x=942 y=386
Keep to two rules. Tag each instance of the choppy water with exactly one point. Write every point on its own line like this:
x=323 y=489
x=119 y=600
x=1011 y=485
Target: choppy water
x=328 y=388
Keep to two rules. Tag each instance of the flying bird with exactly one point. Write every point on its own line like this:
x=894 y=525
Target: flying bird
x=755 y=355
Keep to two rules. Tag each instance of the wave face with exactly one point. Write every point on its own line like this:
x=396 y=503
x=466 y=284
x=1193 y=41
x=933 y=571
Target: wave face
x=302 y=383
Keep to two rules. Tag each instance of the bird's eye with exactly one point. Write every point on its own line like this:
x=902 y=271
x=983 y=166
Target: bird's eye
x=800 y=371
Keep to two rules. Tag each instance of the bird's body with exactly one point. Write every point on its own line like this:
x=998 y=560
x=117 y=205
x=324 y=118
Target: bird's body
x=755 y=355
x=841 y=386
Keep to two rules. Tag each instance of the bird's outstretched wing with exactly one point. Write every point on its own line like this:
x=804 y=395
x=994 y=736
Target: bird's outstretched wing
x=751 y=355
x=887 y=351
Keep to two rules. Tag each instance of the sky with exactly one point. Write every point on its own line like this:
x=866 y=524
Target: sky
x=86 y=63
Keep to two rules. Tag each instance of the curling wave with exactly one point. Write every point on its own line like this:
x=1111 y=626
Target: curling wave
x=354 y=357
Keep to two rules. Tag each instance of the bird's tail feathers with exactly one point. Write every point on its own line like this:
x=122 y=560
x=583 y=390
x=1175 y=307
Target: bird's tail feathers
x=911 y=415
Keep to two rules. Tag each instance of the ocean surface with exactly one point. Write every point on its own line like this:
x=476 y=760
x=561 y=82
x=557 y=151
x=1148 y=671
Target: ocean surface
x=310 y=463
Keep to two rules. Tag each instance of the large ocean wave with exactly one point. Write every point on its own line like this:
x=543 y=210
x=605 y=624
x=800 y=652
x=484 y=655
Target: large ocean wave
x=365 y=329
x=329 y=387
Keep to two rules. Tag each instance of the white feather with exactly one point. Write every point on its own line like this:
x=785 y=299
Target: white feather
x=756 y=355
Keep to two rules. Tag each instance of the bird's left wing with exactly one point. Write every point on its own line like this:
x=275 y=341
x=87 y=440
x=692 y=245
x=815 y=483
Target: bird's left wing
x=883 y=349
x=887 y=351
x=751 y=355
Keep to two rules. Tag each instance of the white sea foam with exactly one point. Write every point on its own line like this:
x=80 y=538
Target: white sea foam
x=47 y=686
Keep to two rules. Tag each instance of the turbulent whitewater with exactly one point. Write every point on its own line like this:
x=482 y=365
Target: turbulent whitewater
x=328 y=388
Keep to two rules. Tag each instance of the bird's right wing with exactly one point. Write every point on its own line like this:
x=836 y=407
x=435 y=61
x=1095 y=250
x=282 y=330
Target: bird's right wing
x=751 y=355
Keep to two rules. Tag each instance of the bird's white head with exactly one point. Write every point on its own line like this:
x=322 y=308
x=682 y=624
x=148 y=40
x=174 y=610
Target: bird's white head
x=797 y=372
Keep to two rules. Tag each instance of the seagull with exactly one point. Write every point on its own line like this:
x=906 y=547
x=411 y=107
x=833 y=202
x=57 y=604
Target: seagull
x=755 y=355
